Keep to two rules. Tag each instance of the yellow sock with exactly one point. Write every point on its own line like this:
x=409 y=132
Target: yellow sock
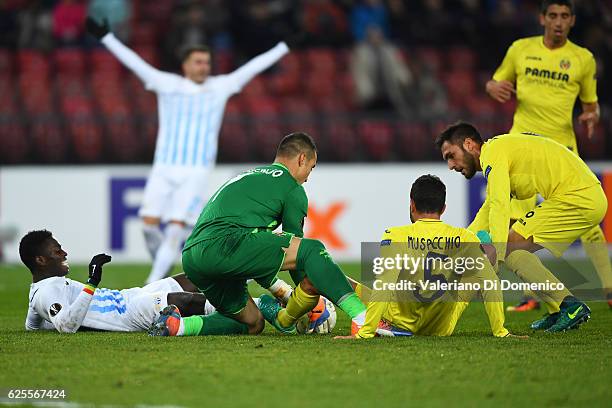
x=298 y=305
x=596 y=247
x=363 y=292
x=530 y=269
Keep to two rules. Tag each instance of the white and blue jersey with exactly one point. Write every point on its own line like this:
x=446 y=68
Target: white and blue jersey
x=133 y=309
x=190 y=114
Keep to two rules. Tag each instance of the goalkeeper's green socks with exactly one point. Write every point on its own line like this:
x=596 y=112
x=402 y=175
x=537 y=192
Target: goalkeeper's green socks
x=326 y=276
x=212 y=324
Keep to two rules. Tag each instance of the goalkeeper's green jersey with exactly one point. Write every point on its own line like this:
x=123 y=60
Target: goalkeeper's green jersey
x=259 y=199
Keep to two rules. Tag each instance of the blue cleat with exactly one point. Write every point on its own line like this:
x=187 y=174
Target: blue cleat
x=167 y=323
x=546 y=322
x=572 y=314
x=269 y=308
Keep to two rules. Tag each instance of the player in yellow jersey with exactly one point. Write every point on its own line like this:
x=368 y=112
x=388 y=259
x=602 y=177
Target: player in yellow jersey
x=547 y=73
x=521 y=166
x=421 y=309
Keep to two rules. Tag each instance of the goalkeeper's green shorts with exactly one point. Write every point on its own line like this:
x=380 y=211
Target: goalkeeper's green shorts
x=220 y=266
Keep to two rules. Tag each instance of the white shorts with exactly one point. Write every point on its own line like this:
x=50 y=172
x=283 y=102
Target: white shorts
x=144 y=304
x=175 y=193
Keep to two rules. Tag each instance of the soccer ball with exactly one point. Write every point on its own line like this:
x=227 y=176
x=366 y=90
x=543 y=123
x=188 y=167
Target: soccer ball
x=321 y=319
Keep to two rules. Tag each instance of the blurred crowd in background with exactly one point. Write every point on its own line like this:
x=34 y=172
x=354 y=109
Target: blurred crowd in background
x=371 y=80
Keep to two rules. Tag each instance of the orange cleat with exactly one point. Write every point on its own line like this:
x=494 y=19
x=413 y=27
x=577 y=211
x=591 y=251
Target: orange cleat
x=526 y=305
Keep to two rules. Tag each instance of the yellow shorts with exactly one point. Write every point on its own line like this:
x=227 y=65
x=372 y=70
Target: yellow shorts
x=518 y=208
x=559 y=221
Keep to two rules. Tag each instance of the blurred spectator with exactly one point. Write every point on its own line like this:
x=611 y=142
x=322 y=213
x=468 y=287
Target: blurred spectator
x=366 y=14
x=116 y=12
x=8 y=24
x=325 y=23
x=258 y=24
x=35 y=25
x=428 y=93
x=381 y=77
x=69 y=22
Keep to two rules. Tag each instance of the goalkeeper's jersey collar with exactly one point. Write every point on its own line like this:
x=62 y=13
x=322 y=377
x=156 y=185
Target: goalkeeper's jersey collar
x=427 y=220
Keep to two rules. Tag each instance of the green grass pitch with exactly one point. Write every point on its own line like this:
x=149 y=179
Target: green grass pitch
x=471 y=368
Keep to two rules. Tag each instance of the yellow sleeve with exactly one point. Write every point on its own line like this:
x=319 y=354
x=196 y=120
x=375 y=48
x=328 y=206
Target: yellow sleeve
x=379 y=299
x=588 y=85
x=507 y=71
x=481 y=220
x=493 y=298
x=495 y=164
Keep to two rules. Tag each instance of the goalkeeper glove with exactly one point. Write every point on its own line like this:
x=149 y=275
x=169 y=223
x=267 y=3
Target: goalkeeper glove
x=96 y=29
x=95 y=268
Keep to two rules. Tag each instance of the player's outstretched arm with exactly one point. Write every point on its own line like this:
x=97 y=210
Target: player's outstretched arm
x=589 y=117
x=67 y=318
x=147 y=74
x=501 y=91
x=260 y=63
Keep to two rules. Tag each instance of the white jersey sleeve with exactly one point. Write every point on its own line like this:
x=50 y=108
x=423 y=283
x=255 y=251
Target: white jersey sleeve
x=53 y=303
x=154 y=79
x=240 y=77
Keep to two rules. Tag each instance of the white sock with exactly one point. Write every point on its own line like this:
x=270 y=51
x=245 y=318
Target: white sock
x=153 y=238
x=360 y=318
x=181 y=329
x=174 y=234
x=281 y=290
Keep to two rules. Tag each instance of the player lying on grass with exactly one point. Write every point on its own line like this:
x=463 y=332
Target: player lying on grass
x=421 y=310
x=520 y=166
x=57 y=302
x=233 y=241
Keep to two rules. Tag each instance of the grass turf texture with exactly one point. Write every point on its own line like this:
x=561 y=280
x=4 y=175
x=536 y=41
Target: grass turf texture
x=469 y=368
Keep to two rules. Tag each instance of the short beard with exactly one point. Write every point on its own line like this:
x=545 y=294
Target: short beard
x=470 y=164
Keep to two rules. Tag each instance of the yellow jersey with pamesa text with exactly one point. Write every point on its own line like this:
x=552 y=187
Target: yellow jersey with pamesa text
x=547 y=83
x=521 y=166
x=431 y=272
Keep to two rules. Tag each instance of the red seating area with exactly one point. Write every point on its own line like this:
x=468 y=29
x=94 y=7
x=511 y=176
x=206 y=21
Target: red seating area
x=82 y=106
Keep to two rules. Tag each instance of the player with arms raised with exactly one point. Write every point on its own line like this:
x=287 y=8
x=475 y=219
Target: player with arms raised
x=423 y=311
x=520 y=166
x=547 y=73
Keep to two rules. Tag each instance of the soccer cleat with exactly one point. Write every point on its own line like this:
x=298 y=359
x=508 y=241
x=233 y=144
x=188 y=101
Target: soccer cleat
x=269 y=308
x=167 y=323
x=546 y=322
x=570 y=317
x=527 y=304
x=609 y=297
x=385 y=329
x=355 y=328
x=317 y=316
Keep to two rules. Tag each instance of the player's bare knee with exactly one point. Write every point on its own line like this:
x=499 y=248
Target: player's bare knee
x=258 y=325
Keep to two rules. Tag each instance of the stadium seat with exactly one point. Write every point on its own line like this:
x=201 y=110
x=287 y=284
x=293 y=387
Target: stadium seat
x=414 y=141
x=13 y=139
x=143 y=34
x=32 y=61
x=321 y=61
x=69 y=61
x=48 y=140
x=6 y=61
x=461 y=59
x=255 y=88
x=262 y=107
x=76 y=106
x=296 y=107
x=223 y=62
x=101 y=60
x=87 y=138
x=234 y=142
x=481 y=105
x=341 y=139
x=125 y=143
x=265 y=134
x=430 y=58
x=377 y=138
x=319 y=86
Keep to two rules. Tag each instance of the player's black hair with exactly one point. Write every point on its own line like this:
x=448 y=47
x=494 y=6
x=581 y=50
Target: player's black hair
x=547 y=3
x=296 y=143
x=429 y=194
x=188 y=49
x=457 y=133
x=32 y=245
